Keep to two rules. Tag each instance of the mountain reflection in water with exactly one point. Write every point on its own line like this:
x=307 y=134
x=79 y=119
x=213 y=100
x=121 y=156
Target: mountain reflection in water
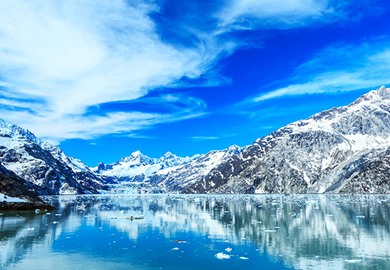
x=195 y=231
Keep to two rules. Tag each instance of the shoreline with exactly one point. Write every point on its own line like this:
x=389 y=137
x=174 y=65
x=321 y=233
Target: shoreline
x=24 y=206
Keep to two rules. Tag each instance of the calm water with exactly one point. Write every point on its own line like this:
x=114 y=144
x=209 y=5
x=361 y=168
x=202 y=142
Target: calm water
x=200 y=232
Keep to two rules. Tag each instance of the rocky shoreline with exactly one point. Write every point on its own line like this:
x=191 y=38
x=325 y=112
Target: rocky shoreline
x=24 y=206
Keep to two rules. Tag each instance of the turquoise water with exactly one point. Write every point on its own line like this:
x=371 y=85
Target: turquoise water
x=200 y=232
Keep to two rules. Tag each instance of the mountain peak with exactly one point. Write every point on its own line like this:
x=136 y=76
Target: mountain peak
x=137 y=158
x=136 y=153
x=14 y=130
x=233 y=149
x=380 y=94
x=169 y=155
x=384 y=92
x=42 y=165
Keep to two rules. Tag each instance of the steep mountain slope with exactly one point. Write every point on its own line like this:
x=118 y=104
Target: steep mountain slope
x=83 y=174
x=167 y=173
x=16 y=193
x=41 y=164
x=344 y=149
x=180 y=178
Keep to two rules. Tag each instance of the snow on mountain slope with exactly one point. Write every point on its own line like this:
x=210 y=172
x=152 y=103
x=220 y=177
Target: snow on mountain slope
x=179 y=178
x=318 y=154
x=40 y=163
x=5 y=198
x=138 y=167
x=341 y=150
x=84 y=175
x=75 y=164
x=169 y=172
x=17 y=194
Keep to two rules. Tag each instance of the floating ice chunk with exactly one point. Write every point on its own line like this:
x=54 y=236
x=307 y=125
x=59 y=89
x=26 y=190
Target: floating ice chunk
x=37 y=211
x=81 y=207
x=269 y=231
x=222 y=256
x=353 y=261
x=30 y=229
x=360 y=217
x=58 y=215
x=55 y=222
x=228 y=249
x=175 y=248
x=179 y=241
x=243 y=258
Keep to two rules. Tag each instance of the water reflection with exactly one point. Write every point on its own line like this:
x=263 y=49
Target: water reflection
x=166 y=232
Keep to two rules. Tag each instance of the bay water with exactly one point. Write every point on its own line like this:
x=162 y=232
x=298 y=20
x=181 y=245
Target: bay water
x=200 y=232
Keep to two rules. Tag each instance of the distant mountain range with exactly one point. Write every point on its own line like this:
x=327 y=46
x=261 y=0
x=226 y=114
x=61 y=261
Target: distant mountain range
x=341 y=150
x=168 y=173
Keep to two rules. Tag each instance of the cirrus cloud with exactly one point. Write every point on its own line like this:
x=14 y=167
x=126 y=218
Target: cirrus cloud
x=338 y=69
x=59 y=59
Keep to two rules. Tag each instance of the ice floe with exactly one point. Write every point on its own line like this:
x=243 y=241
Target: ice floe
x=222 y=256
x=353 y=260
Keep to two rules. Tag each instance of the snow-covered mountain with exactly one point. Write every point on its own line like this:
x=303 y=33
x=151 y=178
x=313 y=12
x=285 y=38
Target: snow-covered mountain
x=139 y=167
x=180 y=178
x=341 y=150
x=46 y=167
x=169 y=172
x=16 y=193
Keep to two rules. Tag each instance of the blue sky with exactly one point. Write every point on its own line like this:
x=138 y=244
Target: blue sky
x=102 y=79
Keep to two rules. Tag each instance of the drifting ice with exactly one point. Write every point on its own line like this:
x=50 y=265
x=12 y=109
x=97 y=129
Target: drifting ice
x=222 y=256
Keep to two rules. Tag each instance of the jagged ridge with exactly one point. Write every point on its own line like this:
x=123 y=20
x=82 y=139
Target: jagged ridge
x=45 y=167
x=169 y=173
x=339 y=150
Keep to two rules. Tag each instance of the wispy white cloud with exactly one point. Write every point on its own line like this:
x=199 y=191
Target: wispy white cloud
x=211 y=138
x=338 y=69
x=250 y=14
x=204 y=138
x=71 y=55
x=60 y=58
x=72 y=126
